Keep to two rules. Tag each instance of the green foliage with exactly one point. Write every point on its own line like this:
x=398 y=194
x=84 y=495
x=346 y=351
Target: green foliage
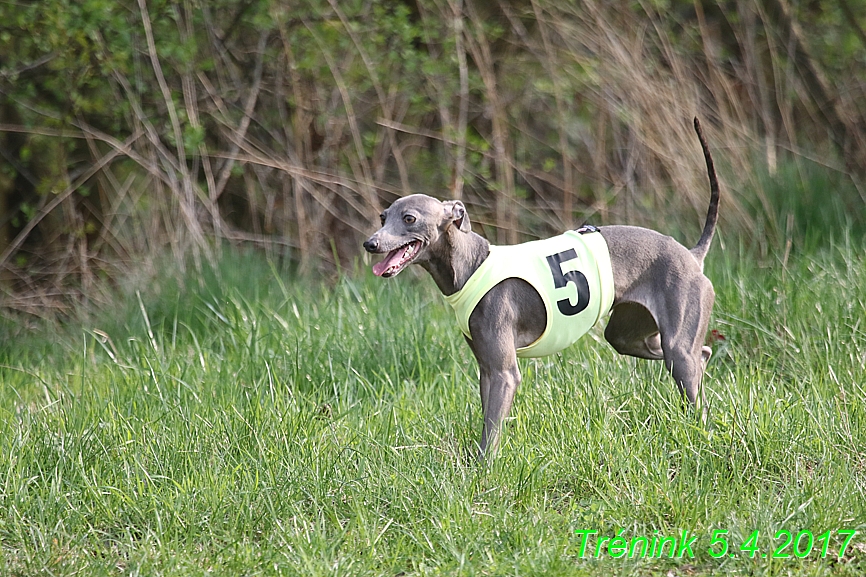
x=836 y=39
x=260 y=119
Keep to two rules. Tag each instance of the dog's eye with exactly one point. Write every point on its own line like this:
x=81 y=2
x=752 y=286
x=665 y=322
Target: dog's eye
x=382 y=218
x=409 y=219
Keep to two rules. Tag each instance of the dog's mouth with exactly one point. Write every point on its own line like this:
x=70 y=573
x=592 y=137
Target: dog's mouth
x=397 y=259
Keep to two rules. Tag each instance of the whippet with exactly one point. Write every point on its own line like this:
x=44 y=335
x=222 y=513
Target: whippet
x=659 y=299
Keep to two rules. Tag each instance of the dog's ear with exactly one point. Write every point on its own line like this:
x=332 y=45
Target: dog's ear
x=455 y=213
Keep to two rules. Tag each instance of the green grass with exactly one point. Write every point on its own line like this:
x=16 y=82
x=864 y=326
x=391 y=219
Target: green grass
x=254 y=424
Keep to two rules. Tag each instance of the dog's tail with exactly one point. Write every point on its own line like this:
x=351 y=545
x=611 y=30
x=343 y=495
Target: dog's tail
x=703 y=246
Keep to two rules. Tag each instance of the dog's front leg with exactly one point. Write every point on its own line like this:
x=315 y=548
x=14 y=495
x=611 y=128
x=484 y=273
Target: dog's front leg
x=497 y=395
x=499 y=379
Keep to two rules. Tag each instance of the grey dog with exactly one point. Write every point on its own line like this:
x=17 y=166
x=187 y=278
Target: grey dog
x=661 y=299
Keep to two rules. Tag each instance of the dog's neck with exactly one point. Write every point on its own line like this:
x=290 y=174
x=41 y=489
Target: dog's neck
x=454 y=257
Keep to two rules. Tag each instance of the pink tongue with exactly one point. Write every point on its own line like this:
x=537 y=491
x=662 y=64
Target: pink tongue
x=392 y=259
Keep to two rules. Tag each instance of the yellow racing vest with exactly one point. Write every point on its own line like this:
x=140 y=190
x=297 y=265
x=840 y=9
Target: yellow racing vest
x=571 y=273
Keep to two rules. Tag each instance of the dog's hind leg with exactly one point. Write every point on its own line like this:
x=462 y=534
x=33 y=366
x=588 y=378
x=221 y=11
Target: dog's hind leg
x=682 y=337
x=633 y=331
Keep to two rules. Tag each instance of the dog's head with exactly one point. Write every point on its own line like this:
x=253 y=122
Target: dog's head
x=410 y=227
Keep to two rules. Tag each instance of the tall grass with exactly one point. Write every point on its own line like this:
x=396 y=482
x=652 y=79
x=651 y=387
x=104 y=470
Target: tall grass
x=254 y=423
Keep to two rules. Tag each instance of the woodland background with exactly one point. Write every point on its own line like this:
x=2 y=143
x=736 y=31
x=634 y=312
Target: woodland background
x=133 y=132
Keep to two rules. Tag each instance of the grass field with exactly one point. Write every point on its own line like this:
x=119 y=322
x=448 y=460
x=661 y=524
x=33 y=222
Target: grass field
x=258 y=425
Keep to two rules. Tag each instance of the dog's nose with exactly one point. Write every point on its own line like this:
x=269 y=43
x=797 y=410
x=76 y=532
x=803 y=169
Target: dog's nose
x=371 y=244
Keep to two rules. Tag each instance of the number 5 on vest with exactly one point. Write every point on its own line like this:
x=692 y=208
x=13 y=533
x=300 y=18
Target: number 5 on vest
x=561 y=280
